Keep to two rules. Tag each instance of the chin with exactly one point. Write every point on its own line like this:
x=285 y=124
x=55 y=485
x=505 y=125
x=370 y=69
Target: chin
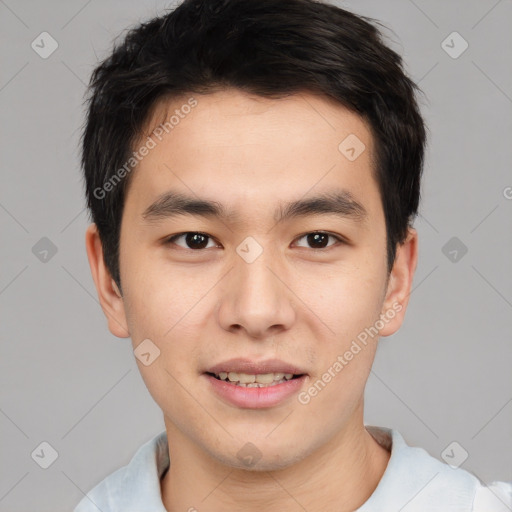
x=265 y=463
x=260 y=455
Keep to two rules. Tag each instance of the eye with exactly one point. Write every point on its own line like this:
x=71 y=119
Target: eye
x=319 y=239
x=193 y=240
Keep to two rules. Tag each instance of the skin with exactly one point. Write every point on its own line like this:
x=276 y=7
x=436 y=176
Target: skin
x=294 y=302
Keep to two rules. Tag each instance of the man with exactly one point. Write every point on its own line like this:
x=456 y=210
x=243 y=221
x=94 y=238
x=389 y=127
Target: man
x=253 y=169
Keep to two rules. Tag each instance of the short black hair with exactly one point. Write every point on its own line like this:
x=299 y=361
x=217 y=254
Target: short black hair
x=269 y=48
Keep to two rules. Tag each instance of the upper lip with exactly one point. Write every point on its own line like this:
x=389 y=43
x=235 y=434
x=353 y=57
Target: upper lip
x=241 y=365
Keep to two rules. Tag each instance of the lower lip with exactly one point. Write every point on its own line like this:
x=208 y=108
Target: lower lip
x=255 y=398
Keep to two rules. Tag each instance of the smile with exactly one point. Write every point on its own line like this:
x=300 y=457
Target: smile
x=260 y=380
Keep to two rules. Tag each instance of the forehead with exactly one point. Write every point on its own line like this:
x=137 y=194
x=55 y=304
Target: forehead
x=233 y=108
x=242 y=149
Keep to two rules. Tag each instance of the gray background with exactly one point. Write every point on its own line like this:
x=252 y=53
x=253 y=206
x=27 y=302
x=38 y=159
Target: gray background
x=64 y=379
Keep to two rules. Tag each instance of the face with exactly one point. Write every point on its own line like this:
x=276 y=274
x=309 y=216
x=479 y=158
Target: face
x=267 y=257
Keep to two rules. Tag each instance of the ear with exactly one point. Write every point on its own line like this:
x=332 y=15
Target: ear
x=399 y=284
x=108 y=293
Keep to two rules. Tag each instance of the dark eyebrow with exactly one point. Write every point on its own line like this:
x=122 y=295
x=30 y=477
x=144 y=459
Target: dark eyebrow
x=340 y=202
x=171 y=204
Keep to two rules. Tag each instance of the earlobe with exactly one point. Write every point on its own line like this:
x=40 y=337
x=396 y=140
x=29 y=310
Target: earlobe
x=110 y=298
x=400 y=284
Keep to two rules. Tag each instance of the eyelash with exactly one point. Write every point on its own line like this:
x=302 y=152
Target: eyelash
x=340 y=240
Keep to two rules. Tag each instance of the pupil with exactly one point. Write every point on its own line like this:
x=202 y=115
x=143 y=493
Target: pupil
x=196 y=240
x=318 y=238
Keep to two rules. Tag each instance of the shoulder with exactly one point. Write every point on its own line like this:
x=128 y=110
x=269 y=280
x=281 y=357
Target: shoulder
x=496 y=497
x=415 y=480
x=103 y=496
x=135 y=486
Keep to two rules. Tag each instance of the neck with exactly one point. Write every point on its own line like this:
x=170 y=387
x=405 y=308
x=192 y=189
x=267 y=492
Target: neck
x=340 y=476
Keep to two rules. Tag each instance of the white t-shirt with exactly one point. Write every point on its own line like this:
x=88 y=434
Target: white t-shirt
x=413 y=481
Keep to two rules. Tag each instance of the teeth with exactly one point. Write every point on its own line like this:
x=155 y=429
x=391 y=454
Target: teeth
x=244 y=378
x=252 y=380
x=258 y=385
x=265 y=378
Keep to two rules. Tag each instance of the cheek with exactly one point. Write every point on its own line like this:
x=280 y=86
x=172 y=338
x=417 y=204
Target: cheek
x=346 y=300
x=351 y=310
x=168 y=384
x=161 y=297
x=163 y=305
x=349 y=304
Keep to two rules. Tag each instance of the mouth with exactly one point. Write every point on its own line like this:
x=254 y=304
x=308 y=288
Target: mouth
x=248 y=384
x=259 y=380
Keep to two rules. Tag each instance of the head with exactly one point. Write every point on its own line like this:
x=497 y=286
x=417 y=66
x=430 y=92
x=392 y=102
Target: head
x=267 y=121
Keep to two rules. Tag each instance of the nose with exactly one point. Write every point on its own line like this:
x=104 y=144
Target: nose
x=255 y=299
